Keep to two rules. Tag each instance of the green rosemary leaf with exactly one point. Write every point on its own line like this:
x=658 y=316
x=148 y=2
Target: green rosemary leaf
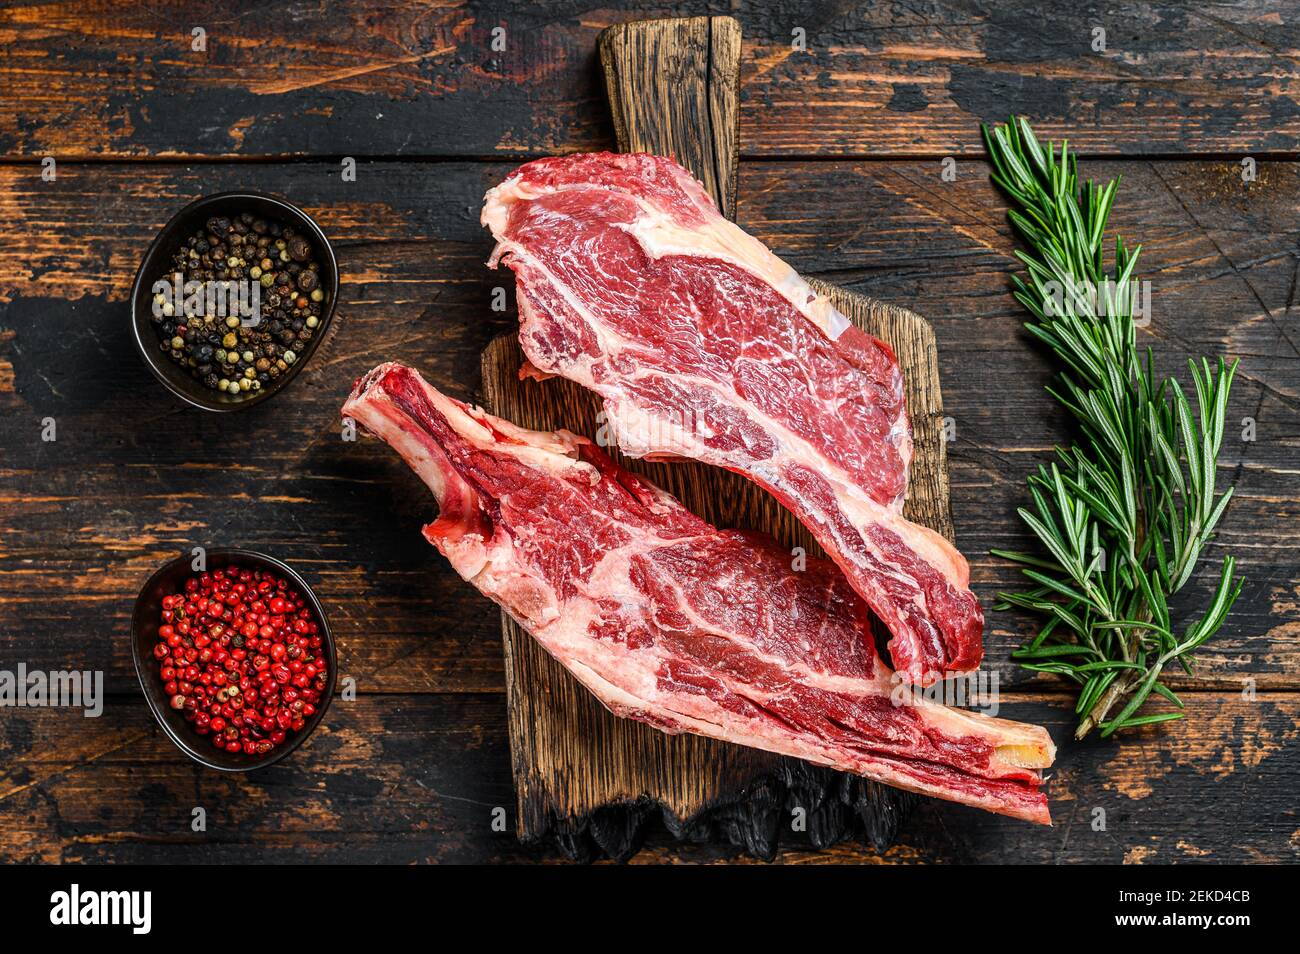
x=1043 y=635
x=1055 y=585
x=1169 y=694
x=1105 y=665
x=1149 y=719
x=1027 y=558
x=1132 y=624
x=1046 y=652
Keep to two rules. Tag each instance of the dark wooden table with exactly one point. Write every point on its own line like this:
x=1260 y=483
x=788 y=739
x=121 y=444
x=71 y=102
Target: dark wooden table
x=842 y=146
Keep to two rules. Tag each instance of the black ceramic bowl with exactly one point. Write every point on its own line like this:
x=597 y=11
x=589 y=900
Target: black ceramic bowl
x=157 y=265
x=144 y=635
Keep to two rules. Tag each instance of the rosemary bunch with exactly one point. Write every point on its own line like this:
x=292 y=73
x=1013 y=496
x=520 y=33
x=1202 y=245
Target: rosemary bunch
x=1123 y=514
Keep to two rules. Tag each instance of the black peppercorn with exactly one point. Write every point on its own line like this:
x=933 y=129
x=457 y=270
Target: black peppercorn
x=299 y=248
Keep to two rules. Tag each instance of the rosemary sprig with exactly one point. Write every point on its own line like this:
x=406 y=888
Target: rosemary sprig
x=1123 y=514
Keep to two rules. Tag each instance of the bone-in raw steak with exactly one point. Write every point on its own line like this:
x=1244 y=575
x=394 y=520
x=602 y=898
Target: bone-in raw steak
x=675 y=623
x=703 y=344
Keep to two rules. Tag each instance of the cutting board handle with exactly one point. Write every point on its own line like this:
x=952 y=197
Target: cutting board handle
x=673 y=87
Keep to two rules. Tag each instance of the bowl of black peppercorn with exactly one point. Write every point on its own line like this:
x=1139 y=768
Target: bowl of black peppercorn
x=232 y=298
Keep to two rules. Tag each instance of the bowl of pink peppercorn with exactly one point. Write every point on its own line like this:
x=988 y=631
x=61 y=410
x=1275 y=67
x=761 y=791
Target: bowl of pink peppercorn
x=235 y=660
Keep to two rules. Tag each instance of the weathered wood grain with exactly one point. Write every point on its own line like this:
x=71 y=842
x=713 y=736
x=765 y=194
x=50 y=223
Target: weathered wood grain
x=673 y=87
x=418 y=778
x=372 y=78
x=133 y=478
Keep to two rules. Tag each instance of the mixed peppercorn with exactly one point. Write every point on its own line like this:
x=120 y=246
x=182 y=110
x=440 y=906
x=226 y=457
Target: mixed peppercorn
x=243 y=354
x=240 y=654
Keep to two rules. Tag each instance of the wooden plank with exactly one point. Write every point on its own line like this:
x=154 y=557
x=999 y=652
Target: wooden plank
x=84 y=520
x=849 y=79
x=397 y=779
x=401 y=779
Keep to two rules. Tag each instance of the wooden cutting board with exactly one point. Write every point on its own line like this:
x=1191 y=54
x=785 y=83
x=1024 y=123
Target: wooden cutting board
x=582 y=776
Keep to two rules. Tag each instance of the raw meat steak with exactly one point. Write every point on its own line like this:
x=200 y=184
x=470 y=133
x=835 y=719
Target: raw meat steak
x=675 y=623
x=703 y=344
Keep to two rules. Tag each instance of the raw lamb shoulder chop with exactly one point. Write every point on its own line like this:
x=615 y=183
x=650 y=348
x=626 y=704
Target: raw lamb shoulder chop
x=675 y=623
x=703 y=344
